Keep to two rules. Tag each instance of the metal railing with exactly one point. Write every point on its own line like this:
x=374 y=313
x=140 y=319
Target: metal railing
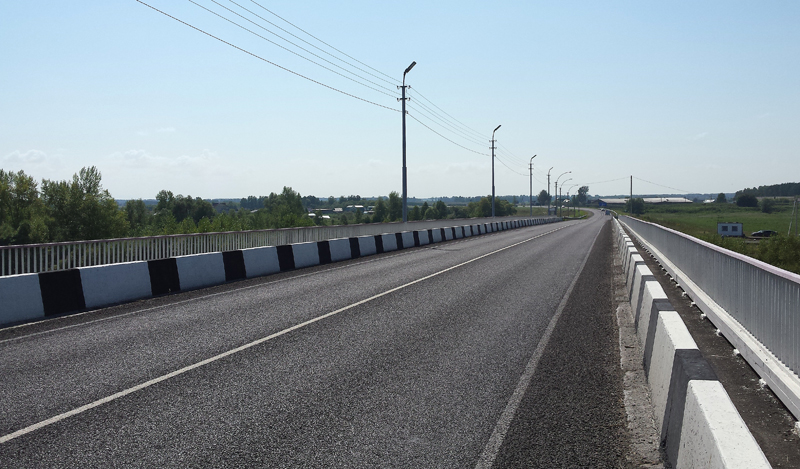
x=34 y=258
x=764 y=299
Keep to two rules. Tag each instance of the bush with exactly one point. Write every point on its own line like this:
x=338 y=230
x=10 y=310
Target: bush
x=767 y=205
x=781 y=251
x=747 y=200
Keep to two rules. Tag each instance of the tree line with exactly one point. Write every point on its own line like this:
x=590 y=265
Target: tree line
x=81 y=209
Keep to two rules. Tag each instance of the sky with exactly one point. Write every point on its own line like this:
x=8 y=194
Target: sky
x=686 y=97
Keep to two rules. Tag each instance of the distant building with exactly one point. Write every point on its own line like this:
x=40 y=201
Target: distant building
x=730 y=229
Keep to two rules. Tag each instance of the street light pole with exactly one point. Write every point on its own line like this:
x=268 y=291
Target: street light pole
x=568 y=191
x=549 y=198
x=556 y=188
x=493 y=140
x=530 y=197
x=405 y=182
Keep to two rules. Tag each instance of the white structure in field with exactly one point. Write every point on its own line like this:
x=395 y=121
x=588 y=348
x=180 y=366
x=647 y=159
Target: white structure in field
x=729 y=229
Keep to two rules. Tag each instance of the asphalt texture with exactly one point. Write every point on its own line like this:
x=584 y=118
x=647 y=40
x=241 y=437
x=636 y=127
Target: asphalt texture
x=406 y=359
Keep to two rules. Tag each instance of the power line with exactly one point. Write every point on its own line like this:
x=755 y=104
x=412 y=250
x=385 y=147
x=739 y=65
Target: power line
x=320 y=40
x=449 y=121
x=442 y=125
x=661 y=185
x=289 y=50
x=437 y=133
x=509 y=168
x=483 y=136
x=312 y=45
x=265 y=60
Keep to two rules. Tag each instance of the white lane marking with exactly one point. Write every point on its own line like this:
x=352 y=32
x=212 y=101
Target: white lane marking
x=210 y=295
x=99 y=402
x=492 y=447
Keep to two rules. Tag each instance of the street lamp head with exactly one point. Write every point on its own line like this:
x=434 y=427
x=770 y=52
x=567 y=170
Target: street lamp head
x=532 y=157
x=495 y=130
x=410 y=67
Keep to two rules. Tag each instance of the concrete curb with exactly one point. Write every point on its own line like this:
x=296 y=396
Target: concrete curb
x=699 y=425
x=33 y=296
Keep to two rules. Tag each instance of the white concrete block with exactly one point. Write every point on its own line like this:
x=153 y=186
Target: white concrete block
x=261 y=261
x=670 y=335
x=408 y=239
x=423 y=237
x=340 y=249
x=652 y=291
x=459 y=233
x=448 y=233
x=305 y=254
x=389 y=242
x=713 y=434
x=639 y=272
x=437 y=235
x=366 y=245
x=630 y=271
x=116 y=283
x=201 y=270
x=20 y=298
x=467 y=231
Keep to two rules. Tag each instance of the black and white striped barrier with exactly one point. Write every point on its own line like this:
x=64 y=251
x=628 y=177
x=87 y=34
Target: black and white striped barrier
x=699 y=425
x=33 y=296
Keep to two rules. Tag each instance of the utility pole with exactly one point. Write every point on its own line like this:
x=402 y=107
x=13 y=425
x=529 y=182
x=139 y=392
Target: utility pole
x=530 y=197
x=405 y=181
x=631 y=198
x=548 y=190
x=493 y=140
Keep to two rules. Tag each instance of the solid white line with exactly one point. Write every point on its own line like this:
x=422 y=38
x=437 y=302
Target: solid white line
x=492 y=447
x=181 y=371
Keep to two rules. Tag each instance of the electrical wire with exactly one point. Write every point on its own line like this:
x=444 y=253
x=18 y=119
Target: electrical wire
x=423 y=113
x=289 y=50
x=265 y=60
x=661 y=185
x=320 y=40
x=451 y=141
x=310 y=44
x=479 y=134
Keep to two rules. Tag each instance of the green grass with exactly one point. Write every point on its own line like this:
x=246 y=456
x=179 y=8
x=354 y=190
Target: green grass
x=700 y=221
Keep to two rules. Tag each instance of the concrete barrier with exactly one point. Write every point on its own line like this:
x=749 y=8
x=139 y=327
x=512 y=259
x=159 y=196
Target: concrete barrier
x=713 y=434
x=367 y=245
x=305 y=254
x=200 y=270
x=261 y=261
x=698 y=424
x=20 y=298
x=116 y=283
x=32 y=296
x=340 y=249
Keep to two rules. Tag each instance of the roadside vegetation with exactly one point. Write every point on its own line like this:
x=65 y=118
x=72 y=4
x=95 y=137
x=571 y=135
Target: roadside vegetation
x=700 y=221
x=81 y=209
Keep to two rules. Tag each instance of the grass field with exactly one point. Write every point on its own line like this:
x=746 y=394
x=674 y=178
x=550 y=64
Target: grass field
x=701 y=220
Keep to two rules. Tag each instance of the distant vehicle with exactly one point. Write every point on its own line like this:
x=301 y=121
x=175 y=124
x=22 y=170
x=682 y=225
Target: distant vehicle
x=763 y=233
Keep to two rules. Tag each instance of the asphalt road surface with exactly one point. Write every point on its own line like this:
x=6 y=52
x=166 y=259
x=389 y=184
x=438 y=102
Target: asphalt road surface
x=492 y=351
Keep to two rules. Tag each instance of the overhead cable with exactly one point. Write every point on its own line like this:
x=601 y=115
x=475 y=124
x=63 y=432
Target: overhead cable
x=320 y=40
x=265 y=60
x=291 y=51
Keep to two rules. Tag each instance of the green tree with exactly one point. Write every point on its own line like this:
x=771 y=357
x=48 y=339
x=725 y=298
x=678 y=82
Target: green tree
x=543 y=198
x=137 y=215
x=395 y=206
x=441 y=209
x=359 y=218
x=747 y=200
x=767 y=205
x=635 y=206
x=415 y=213
x=423 y=215
x=81 y=209
x=23 y=218
x=582 y=194
x=381 y=211
x=721 y=199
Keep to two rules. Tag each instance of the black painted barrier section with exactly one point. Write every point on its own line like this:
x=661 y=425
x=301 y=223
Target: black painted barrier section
x=324 y=251
x=416 y=239
x=355 y=249
x=164 y=276
x=234 y=265
x=62 y=291
x=379 y=244
x=399 y=239
x=285 y=257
